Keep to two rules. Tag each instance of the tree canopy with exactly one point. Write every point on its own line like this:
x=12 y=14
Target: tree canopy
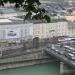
x=31 y=7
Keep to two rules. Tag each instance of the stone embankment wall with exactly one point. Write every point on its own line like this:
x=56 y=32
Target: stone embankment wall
x=24 y=58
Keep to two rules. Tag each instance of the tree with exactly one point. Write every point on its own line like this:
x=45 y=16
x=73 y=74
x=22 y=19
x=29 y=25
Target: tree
x=31 y=7
x=70 y=11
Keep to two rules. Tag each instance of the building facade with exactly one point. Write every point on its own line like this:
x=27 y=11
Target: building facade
x=46 y=30
x=42 y=30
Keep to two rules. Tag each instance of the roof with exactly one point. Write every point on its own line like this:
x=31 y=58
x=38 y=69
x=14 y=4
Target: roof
x=10 y=21
x=70 y=18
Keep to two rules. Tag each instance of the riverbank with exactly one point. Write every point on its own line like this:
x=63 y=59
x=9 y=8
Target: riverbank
x=20 y=58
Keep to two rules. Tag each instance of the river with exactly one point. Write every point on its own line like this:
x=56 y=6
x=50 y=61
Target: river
x=41 y=69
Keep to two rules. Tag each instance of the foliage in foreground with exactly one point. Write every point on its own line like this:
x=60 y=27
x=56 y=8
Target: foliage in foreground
x=31 y=7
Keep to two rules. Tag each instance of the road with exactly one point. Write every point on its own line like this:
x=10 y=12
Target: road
x=58 y=53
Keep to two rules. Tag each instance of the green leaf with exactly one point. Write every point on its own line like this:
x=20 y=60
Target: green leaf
x=47 y=18
x=30 y=7
x=28 y=16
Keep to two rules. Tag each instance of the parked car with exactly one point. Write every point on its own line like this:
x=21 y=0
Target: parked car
x=48 y=45
x=66 y=40
x=70 y=55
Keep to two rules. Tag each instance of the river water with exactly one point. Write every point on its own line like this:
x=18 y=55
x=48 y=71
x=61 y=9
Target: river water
x=41 y=69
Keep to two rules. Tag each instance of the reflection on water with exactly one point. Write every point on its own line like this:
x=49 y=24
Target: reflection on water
x=42 y=69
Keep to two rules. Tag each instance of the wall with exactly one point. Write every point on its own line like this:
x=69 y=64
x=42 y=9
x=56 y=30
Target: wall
x=27 y=57
x=62 y=29
x=24 y=30
x=41 y=30
x=45 y=30
x=71 y=28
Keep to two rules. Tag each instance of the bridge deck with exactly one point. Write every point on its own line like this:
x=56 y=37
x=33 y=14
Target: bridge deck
x=61 y=57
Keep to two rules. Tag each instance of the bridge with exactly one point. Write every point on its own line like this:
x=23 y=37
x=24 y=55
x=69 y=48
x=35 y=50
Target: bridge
x=60 y=54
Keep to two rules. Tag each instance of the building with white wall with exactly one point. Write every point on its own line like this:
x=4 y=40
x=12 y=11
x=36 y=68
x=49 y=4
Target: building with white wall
x=16 y=31
x=46 y=30
x=30 y=30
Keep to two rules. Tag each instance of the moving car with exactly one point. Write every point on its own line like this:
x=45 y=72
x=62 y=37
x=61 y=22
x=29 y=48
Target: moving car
x=66 y=40
x=70 y=55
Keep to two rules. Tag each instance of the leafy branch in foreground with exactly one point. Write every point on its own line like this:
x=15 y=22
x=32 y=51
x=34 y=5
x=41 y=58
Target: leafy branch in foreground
x=31 y=8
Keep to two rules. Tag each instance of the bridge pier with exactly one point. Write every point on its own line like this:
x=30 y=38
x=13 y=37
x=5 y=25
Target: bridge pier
x=61 y=68
x=64 y=69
